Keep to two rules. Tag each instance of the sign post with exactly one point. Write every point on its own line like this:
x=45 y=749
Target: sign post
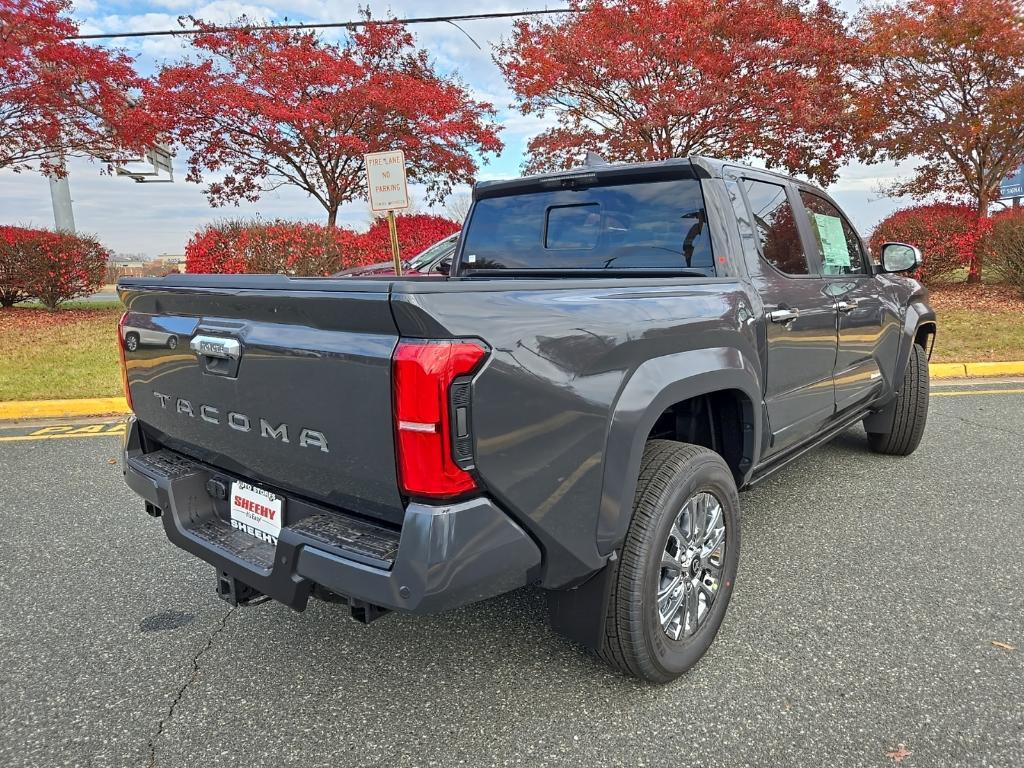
x=385 y=177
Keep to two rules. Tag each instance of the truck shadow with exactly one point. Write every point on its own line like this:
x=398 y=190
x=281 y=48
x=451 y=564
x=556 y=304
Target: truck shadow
x=495 y=673
x=497 y=642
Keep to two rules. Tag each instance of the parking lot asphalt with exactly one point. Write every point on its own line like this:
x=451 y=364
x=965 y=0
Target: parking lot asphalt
x=873 y=620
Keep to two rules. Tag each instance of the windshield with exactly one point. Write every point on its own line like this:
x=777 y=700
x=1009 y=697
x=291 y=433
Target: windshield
x=659 y=225
x=435 y=252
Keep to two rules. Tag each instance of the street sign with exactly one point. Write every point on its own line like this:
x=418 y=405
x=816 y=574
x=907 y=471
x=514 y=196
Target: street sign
x=385 y=174
x=1013 y=185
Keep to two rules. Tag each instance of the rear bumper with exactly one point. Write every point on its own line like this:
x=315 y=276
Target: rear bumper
x=443 y=557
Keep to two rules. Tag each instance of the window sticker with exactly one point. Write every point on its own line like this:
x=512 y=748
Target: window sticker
x=834 y=247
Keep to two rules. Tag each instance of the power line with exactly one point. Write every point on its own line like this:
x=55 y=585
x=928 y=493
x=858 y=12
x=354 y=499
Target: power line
x=322 y=25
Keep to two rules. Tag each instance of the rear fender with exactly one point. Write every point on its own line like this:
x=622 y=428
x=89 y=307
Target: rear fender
x=656 y=385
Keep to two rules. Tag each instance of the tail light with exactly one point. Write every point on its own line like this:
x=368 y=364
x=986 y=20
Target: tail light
x=431 y=391
x=124 y=367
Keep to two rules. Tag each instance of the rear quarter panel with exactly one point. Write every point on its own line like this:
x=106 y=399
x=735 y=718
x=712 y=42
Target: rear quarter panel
x=546 y=407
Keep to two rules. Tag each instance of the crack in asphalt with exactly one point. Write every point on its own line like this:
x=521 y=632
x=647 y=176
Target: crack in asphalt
x=181 y=691
x=980 y=425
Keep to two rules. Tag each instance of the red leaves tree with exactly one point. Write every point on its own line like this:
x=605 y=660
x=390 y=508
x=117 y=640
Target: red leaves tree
x=946 y=86
x=654 y=79
x=282 y=107
x=60 y=98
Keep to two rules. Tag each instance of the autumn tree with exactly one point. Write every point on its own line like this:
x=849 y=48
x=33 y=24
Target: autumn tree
x=60 y=98
x=946 y=88
x=653 y=79
x=272 y=108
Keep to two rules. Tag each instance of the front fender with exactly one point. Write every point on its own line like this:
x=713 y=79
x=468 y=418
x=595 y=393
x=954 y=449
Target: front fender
x=918 y=313
x=654 y=386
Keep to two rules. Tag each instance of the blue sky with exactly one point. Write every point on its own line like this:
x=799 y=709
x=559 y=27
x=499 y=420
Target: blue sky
x=159 y=218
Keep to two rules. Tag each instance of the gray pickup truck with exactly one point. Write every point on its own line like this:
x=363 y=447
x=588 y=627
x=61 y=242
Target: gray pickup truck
x=617 y=351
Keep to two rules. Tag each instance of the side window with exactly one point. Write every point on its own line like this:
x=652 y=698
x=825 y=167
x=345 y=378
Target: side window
x=775 y=226
x=838 y=243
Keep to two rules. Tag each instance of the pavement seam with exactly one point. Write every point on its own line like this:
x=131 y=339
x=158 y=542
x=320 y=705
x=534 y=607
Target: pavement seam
x=181 y=691
x=980 y=425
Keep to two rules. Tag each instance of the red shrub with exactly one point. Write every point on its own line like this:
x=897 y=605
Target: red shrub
x=296 y=248
x=415 y=233
x=293 y=248
x=50 y=266
x=14 y=244
x=947 y=235
x=1006 y=246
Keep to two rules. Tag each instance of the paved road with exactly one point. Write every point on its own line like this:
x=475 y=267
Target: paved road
x=870 y=593
x=104 y=295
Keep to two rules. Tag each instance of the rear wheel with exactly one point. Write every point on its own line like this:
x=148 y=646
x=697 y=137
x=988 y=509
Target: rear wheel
x=131 y=341
x=675 y=574
x=911 y=410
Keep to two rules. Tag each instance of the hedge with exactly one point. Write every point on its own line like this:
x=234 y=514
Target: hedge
x=297 y=248
x=947 y=234
x=52 y=267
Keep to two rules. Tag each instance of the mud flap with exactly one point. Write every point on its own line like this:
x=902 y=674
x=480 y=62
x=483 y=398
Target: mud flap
x=579 y=613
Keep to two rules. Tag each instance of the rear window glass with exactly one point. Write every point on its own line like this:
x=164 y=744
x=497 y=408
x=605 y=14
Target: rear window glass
x=650 y=225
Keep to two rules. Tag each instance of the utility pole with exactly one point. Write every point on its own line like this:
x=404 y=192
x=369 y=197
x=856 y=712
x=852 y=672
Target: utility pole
x=60 y=196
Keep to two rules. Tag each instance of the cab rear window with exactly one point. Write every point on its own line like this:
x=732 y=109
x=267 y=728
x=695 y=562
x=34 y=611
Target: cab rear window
x=658 y=225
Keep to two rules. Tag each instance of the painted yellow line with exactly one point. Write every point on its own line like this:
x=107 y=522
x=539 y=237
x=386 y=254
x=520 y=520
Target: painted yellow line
x=66 y=431
x=956 y=392
x=61 y=409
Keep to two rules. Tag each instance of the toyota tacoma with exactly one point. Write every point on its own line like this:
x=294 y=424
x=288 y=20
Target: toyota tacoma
x=617 y=350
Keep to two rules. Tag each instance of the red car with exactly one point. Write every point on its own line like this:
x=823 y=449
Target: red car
x=435 y=261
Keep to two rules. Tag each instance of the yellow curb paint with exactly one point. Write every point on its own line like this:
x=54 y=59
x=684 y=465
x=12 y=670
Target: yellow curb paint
x=59 y=409
x=947 y=370
x=995 y=369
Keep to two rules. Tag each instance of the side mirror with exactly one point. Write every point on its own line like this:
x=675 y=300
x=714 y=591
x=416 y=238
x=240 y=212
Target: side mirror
x=900 y=257
x=444 y=266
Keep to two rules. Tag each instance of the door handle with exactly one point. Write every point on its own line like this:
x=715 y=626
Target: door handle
x=784 y=315
x=847 y=306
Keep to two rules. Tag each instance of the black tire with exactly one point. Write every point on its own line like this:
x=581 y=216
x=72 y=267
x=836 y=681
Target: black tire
x=131 y=341
x=172 y=342
x=911 y=410
x=635 y=641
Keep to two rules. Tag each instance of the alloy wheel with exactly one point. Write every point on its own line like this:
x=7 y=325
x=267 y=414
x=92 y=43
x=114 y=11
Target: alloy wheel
x=692 y=564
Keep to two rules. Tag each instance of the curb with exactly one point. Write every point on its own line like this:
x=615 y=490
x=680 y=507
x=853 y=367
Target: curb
x=975 y=370
x=59 y=409
x=15 y=410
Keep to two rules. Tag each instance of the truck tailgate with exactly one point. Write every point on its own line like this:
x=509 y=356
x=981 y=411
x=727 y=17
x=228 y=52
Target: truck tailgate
x=282 y=382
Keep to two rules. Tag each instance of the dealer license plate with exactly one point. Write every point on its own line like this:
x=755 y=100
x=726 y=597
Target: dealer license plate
x=256 y=511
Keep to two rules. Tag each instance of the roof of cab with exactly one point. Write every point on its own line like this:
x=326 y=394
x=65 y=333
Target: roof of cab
x=694 y=167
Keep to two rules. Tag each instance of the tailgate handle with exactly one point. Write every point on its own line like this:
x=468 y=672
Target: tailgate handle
x=219 y=356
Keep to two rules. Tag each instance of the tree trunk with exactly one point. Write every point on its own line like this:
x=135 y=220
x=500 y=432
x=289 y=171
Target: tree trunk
x=974 y=270
x=332 y=216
